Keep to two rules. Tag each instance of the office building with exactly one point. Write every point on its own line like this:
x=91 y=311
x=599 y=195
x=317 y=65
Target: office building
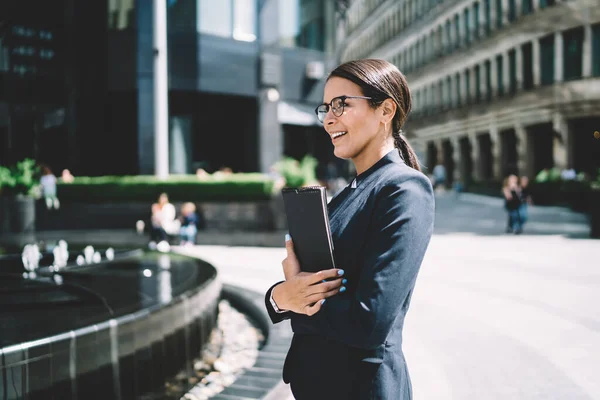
x=499 y=86
x=77 y=82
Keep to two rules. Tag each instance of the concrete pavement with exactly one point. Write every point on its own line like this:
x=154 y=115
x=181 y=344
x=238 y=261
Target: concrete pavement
x=493 y=316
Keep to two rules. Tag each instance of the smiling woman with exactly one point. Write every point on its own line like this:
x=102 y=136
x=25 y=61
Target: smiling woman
x=348 y=320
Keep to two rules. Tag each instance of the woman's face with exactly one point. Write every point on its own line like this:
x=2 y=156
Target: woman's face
x=361 y=125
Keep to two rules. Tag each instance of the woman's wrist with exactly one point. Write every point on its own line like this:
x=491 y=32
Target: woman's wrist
x=278 y=296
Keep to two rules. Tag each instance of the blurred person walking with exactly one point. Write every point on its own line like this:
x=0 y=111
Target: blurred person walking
x=512 y=204
x=350 y=346
x=525 y=200
x=49 y=193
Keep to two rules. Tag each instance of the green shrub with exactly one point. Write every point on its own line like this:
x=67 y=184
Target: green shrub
x=298 y=173
x=20 y=179
x=179 y=188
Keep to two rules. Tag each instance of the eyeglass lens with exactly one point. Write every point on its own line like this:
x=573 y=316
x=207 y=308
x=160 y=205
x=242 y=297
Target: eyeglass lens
x=337 y=107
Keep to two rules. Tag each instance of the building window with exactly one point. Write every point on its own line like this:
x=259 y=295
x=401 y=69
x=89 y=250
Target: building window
x=457 y=30
x=477 y=22
x=526 y=7
x=499 y=12
x=512 y=10
x=458 y=97
x=572 y=51
x=488 y=16
x=215 y=17
x=488 y=80
x=547 y=59
x=449 y=92
x=527 y=65
x=500 y=75
x=596 y=50
x=467 y=26
x=468 y=86
x=477 y=83
x=512 y=70
x=546 y=3
x=449 y=41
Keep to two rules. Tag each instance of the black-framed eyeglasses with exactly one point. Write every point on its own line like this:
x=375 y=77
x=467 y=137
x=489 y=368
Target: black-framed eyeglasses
x=336 y=105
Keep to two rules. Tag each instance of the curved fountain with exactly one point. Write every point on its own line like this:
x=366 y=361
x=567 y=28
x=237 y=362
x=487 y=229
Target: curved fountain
x=110 y=324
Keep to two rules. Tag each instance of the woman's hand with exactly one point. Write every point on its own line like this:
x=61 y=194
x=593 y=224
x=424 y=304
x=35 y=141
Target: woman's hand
x=305 y=292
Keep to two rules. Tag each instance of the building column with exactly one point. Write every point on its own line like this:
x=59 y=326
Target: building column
x=505 y=72
x=562 y=146
x=519 y=68
x=494 y=76
x=473 y=83
x=161 y=91
x=482 y=81
x=558 y=57
x=457 y=161
x=536 y=62
x=535 y=5
x=586 y=70
x=475 y=156
x=524 y=158
x=518 y=8
x=495 y=151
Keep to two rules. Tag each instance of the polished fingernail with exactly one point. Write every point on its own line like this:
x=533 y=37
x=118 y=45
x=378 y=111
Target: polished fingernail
x=340 y=272
x=344 y=281
x=343 y=289
x=287 y=237
x=323 y=301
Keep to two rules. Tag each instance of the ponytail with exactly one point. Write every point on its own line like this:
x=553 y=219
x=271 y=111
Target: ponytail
x=406 y=152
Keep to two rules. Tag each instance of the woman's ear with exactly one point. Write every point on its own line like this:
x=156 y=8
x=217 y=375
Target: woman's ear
x=389 y=110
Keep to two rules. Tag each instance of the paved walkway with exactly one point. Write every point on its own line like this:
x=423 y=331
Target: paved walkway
x=494 y=316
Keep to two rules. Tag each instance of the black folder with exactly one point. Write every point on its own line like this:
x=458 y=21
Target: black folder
x=308 y=225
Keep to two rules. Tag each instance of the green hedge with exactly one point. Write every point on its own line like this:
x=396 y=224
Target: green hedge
x=179 y=188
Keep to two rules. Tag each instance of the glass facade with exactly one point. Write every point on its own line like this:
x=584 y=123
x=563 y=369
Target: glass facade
x=488 y=80
x=512 y=10
x=228 y=18
x=468 y=86
x=121 y=15
x=302 y=23
x=477 y=83
x=457 y=30
x=458 y=96
x=547 y=59
x=526 y=7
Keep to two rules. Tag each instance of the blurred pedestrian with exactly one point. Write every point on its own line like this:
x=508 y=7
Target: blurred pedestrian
x=163 y=222
x=350 y=346
x=189 y=224
x=66 y=176
x=48 y=184
x=439 y=177
x=525 y=199
x=512 y=203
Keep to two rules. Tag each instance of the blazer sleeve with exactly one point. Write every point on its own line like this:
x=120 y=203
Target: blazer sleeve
x=275 y=316
x=401 y=228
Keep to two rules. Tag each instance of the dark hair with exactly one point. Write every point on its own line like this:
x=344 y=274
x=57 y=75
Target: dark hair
x=381 y=80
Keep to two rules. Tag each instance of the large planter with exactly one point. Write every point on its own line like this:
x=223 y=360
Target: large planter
x=22 y=214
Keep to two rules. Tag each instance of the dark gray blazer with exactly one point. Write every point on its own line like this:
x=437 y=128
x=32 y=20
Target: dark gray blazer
x=352 y=348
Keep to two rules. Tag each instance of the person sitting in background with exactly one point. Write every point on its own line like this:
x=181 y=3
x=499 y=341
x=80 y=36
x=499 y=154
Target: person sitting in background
x=48 y=183
x=525 y=199
x=66 y=176
x=163 y=221
x=189 y=224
